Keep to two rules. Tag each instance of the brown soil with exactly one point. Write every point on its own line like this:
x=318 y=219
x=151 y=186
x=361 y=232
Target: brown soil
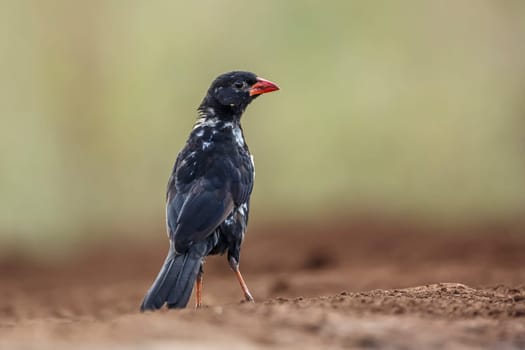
x=362 y=285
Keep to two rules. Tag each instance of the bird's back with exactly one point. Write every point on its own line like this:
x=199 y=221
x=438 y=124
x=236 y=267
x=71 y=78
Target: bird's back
x=215 y=170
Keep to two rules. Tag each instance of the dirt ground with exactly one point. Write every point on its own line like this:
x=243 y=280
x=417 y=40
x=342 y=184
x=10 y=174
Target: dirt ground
x=361 y=284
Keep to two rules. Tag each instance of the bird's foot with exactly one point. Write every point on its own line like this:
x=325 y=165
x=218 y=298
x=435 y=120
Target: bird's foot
x=248 y=298
x=247 y=295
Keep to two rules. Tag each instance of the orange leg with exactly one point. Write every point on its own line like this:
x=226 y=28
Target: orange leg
x=198 y=289
x=244 y=287
x=235 y=267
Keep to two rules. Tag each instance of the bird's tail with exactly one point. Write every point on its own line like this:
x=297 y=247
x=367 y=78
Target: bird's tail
x=174 y=282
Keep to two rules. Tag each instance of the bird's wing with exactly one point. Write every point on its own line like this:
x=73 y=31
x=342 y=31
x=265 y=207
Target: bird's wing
x=171 y=189
x=243 y=185
x=193 y=216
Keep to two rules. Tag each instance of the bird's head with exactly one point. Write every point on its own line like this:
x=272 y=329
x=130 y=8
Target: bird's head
x=232 y=92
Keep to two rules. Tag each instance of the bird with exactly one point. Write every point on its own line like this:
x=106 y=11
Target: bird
x=208 y=193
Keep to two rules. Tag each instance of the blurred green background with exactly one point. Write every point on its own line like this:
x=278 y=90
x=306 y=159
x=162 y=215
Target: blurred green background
x=405 y=108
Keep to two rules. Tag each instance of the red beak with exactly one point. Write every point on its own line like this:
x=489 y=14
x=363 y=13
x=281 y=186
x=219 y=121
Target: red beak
x=262 y=86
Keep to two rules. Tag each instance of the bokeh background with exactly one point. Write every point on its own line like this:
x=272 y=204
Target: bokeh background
x=406 y=109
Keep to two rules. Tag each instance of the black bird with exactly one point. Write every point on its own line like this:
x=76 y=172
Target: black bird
x=208 y=194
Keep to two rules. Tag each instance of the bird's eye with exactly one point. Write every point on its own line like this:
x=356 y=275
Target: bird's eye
x=239 y=84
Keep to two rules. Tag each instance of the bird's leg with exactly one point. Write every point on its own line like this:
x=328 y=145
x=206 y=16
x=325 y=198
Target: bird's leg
x=198 y=286
x=235 y=267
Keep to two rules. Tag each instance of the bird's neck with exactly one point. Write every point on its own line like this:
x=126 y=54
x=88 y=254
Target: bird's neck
x=209 y=117
x=212 y=127
x=210 y=108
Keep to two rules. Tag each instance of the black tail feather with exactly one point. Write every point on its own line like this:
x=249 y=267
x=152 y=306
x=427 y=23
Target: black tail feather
x=174 y=282
x=179 y=296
